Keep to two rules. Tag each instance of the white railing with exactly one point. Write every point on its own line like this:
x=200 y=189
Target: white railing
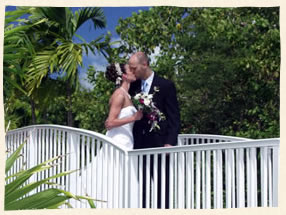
x=204 y=171
x=81 y=147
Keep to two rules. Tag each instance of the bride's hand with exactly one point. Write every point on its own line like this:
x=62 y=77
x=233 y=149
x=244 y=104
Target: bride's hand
x=138 y=115
x=108 y=125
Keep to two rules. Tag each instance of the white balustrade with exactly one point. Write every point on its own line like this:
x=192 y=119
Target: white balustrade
x=204 y=171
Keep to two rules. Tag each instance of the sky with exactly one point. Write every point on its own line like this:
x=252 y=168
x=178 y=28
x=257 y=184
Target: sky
x=112 y=14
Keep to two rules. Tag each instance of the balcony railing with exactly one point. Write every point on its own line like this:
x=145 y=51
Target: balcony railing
x=204 y=171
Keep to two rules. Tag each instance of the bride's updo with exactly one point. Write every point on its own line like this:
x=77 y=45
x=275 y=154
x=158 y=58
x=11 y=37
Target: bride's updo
x=114 y=72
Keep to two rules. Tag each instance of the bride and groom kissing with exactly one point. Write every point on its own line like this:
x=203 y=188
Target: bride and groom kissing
x=131 y=128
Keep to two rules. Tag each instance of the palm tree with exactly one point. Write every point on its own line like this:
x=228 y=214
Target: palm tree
x=59 y=53
x=18 y=52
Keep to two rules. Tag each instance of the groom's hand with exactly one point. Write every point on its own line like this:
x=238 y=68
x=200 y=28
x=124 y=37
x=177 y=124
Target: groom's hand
x=167 y=145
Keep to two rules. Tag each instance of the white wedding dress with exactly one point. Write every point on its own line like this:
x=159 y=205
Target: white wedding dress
x=123 y=135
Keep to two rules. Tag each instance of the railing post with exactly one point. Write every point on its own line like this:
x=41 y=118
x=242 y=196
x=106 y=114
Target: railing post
x=275 y=175
x=133 y=182
x=264 y=178
x=72 y=141
x=198 y=180
x=31 y=151
x=181 y=178
x=219 y=185
x=208 y=180
x=126 y=195
x=180 y=141
x=240 y=169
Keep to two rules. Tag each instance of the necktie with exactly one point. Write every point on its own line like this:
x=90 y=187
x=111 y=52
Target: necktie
x=144 y=86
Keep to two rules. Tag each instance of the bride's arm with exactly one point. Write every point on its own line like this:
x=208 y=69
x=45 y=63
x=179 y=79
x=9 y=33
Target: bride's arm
x=116 y=105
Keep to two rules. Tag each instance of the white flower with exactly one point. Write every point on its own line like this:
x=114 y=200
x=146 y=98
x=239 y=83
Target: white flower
x=118 y=69
x=144 y=95
x=137 y=96
x=147 y=102
x=118 y=81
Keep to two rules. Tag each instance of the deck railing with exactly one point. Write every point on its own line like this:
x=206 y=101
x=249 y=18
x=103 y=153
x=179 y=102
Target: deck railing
x=204 y=171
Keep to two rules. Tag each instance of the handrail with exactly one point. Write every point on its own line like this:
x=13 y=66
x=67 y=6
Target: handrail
x=271 y=142
x=108 y=140
x=159 y=149
x=213 y=136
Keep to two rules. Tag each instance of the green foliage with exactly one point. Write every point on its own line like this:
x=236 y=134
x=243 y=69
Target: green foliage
x=41 y=45
x=17 y=112
x=225 y=63
x=60 y=53
x=18 y=191
x=91 y=107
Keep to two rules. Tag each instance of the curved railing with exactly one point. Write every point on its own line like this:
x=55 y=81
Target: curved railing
x=204 y=171
x=81 y=147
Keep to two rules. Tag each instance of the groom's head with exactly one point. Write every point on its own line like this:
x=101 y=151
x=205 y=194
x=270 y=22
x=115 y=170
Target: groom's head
x=139 y=65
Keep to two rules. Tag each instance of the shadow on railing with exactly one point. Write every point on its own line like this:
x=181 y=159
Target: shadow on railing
x=203 y=171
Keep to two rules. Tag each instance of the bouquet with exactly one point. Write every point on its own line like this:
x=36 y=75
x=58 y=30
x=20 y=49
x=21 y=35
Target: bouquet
x=144 y=101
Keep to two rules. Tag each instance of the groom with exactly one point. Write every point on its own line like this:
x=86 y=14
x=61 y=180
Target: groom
x=166 y=101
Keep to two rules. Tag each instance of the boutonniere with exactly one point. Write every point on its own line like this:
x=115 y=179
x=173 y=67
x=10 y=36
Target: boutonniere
x=144 y=101
x=156 y=89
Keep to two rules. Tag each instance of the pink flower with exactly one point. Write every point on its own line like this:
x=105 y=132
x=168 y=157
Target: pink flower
x=141 y=101
x=152 y=116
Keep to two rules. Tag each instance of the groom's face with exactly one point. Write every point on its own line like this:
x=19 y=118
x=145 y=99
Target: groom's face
x=137 y=68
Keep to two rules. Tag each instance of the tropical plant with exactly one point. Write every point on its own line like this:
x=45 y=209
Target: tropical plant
x=16 y=46
x=20 y=193
x=18 y=52
x=61 y=54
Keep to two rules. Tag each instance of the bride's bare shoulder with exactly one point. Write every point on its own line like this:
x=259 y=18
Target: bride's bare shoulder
x=116 y=95
x=118 y=92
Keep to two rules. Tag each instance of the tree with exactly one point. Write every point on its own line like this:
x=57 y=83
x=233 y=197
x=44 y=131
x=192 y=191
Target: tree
x=18 y=52
x=224 y=61
x=60 y=53
x=91 y=107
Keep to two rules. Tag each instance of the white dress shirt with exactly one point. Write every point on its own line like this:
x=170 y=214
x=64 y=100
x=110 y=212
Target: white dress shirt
x=149 y=81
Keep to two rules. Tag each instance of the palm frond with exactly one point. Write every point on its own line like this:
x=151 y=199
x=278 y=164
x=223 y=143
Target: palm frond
x=45 y=199
x=28 y=188
x=12 y=16
x=16 y=192
x=25 y=175
x=41 y=65
x=90 y=13
x=70 y=59
x=11 y=160
x=13 y=82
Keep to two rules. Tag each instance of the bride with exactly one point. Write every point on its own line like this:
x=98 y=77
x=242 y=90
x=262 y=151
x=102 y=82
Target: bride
x=121 y=117
x=122 y=113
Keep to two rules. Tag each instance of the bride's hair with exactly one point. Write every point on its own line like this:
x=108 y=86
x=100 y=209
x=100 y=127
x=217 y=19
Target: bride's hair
x=114 y=72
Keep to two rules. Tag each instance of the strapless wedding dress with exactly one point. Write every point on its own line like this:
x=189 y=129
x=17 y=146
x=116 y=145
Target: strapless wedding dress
x=123 y=135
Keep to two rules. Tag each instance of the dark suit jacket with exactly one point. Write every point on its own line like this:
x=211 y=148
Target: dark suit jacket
x=166 y=101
